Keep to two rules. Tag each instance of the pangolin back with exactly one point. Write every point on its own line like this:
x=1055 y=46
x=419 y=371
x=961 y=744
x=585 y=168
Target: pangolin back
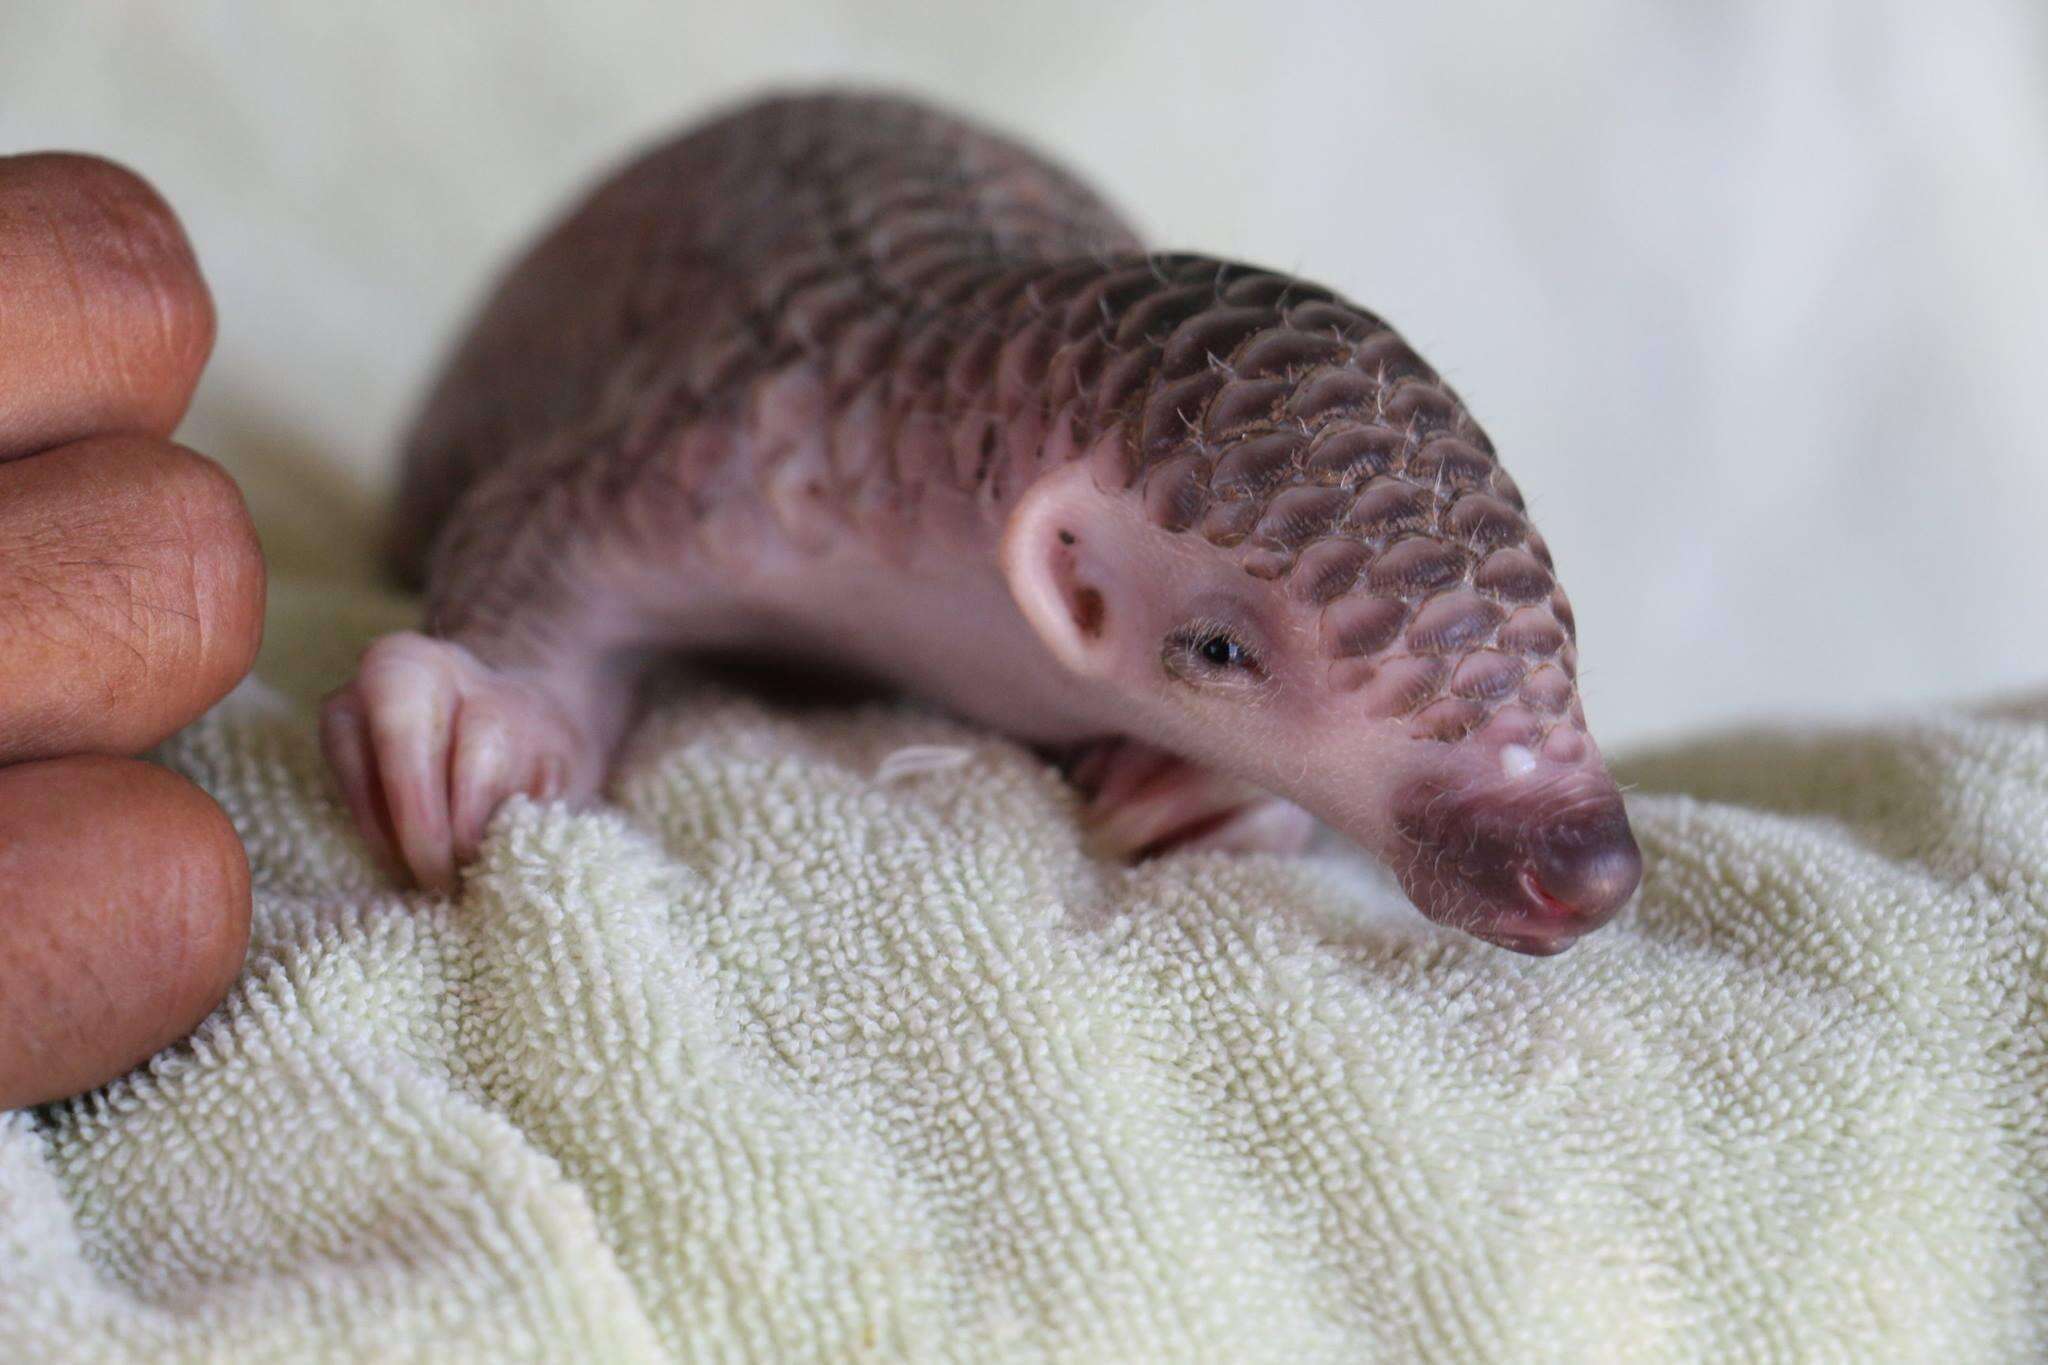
x=951 y=300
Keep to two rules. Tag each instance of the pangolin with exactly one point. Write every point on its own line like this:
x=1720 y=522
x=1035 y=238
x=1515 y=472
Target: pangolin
x=845 y=379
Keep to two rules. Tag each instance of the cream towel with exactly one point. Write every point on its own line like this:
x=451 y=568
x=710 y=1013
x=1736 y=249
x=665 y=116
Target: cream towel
x=825 y=1042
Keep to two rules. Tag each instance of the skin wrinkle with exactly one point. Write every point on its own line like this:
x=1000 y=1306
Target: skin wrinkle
x=139 y=638
x=129 y=242
x=141 y=615
x=125 y=366
x=74 y=278
x=112 y=320
x=127 y=615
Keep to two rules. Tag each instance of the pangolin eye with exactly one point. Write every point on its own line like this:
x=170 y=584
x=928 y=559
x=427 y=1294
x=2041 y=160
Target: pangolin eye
x=1209 y=653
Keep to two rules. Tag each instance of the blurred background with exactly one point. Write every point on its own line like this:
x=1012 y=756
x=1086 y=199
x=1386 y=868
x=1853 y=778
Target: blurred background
x=1752 y=295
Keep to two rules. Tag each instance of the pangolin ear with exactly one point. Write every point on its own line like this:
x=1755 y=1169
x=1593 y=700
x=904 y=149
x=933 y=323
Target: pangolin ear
x=1057 y=556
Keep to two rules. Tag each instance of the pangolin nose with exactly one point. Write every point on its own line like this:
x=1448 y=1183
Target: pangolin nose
x=1583 y=867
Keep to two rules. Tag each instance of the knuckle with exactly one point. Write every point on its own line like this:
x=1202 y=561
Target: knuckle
x=208 y=523
x=211 y=572
x=208 y=928
x=133 y=585
x=133 y=898
x=136 y=244
x=116 y=262
x=210 y=507
x=189 y=832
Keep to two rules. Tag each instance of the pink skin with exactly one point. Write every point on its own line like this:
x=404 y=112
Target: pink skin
x=843 y=380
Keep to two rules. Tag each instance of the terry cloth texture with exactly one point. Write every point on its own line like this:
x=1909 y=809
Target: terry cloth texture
x=795 y=1052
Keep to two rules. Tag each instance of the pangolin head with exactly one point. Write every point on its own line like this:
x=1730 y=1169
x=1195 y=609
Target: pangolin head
x=1356 y=541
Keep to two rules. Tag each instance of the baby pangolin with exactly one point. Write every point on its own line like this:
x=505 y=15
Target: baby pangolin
x=847 y=380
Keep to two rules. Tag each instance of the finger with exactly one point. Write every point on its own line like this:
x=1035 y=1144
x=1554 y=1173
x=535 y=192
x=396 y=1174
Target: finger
x=125 y=920
x=107 y=320
x=1176 y=803
x=1260 y=825
x=410 y=729
x=479 y=774
x=345 y=740
x=131 y=595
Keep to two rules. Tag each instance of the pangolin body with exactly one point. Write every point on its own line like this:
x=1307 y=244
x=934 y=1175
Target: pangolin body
x=794 y=377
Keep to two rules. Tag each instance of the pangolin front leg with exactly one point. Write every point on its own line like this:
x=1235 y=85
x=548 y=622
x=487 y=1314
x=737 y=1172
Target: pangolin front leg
x=428 y=740
x=1143 y=801
x=519 y=685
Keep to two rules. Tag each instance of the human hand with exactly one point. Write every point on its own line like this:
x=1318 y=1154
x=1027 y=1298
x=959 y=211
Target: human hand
x=131 y=599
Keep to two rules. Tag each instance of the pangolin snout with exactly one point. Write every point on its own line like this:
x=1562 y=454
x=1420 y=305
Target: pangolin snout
x=1581 y=869
x=1529 y=872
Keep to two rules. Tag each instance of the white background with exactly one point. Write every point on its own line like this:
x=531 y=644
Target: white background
x=1751 y=296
